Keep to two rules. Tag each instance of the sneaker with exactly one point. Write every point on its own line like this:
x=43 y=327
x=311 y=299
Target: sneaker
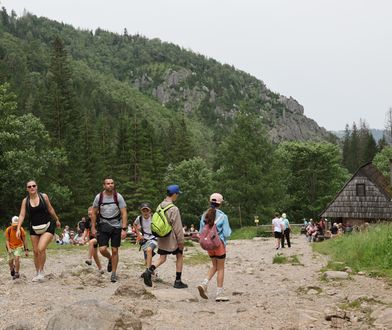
x=39 y=278
x=147 y=277
x=202 y=291
x=221 y=298
x=12 y=272
x=113 y=278
x=89 y=262
x=109 y=269
x=178 y=284
x=101 y=271
x=16 y=275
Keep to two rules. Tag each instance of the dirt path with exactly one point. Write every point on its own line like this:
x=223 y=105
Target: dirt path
x=262 y=295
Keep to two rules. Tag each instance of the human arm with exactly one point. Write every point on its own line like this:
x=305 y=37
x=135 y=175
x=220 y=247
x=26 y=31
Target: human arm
x=22 y=215
x=52 y=211
x=175 y=219
x=124 y=222
x=7 y=240
x=24 y=240
x=226 y=227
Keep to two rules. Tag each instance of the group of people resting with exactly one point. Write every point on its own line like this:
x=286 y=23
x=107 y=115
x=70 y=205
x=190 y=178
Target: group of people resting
x=108 y=224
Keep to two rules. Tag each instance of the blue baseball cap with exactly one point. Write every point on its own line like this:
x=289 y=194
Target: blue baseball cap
x=173 y=189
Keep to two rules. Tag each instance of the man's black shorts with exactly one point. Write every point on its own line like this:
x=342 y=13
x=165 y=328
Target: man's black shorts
x=113 y=235
x=164 y=252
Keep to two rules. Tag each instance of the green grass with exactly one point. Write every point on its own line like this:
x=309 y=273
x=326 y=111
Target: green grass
x=249 y=233
x=197 y=258
x=370 y=251
x=282 y=259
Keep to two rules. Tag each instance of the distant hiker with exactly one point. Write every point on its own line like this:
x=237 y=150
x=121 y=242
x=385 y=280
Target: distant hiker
x=147 y=240
x=172 y=243
x=286 y=231
x=42 y=226
x=110 y=209
x=92 y=243
x=215 y=217
x=277 y=228
x=15 y=247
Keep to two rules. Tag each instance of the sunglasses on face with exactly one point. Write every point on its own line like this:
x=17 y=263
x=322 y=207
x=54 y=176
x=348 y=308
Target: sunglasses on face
x=32 y=186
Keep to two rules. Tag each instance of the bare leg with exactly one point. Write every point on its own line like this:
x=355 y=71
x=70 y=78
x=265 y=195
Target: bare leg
x=115 y=258
x=34 y=242
x=17 y=264
x=161 y=260
x=220 y=265
x=149 y=257
x=212 y=270
x=179 y=262
x=43 y=243
x=96 y=258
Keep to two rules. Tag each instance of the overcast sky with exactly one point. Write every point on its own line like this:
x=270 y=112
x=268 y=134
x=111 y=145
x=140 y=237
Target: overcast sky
x=333 y=56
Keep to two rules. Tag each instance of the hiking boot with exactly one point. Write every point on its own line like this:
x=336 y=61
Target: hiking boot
x=113 y=278
x=147 y=277
x=202 y=291
x=178 y=284
x=12 y=272
x=109 y=268
x=89 y=262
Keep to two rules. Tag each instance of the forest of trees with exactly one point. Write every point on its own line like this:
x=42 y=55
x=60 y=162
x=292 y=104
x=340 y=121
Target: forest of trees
x=70 y=115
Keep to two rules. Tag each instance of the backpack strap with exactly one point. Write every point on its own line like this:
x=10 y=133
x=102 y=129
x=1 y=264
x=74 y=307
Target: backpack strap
x=141 y=224
x=166 y=207
x=100 y=202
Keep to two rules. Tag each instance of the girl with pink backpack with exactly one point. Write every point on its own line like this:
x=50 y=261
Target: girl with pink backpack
x=214 y=231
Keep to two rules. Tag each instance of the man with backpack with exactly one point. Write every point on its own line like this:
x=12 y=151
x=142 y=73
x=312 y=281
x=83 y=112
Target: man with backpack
x=110 y=208
x=171 y=243
x=147 y=240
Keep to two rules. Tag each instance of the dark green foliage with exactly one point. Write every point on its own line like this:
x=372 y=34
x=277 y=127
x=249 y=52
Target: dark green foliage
x=313 y=177
x=359 y=147
x=247 y=175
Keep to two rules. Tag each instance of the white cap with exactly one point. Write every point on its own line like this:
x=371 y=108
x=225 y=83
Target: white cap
x=216 y=198
x=284 y=215
x=15 y=220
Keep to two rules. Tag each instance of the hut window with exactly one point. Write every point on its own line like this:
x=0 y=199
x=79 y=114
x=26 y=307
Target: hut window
x=361 y=191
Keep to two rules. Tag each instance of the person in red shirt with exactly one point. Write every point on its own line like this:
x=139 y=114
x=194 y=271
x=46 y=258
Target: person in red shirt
x=15 y=247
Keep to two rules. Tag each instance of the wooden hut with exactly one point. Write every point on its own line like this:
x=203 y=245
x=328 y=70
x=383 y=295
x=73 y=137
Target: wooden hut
x=366 y=197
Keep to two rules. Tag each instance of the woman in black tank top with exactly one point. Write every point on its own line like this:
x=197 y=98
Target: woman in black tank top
x=39 y=211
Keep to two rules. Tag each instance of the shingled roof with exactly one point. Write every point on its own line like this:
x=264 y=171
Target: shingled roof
x=375 y=203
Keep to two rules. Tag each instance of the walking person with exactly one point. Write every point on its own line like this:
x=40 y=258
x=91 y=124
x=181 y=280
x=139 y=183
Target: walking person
x=286 y=231
x=110 y=209
x=92 y=243
x=277 y=228
x=147 y=240
x=43 y=220
x=15 y=247
x=173 y=243
x=218 y=255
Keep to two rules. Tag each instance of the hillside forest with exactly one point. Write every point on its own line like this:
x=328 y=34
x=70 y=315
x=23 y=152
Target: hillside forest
x=78 y=105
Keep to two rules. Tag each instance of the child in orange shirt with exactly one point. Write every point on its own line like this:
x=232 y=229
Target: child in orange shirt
x=15 y=247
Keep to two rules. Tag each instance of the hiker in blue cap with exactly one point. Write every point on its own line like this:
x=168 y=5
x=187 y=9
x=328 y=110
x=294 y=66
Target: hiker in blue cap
x=173 y=242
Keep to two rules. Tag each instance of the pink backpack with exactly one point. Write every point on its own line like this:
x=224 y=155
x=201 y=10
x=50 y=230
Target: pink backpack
x=209 y=238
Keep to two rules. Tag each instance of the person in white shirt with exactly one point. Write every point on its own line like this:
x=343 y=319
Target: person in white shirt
x=277 y=228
